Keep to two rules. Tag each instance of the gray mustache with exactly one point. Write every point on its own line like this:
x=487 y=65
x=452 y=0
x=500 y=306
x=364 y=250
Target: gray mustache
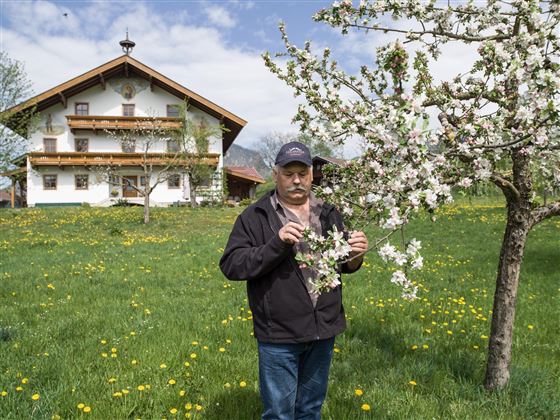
x=297 y=188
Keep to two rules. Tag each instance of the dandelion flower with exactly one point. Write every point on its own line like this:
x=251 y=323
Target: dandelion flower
x=24 y=380
x=19 y=388
x=413 y=383
x=193 y=355
x=366 y=407
x=221 y=349
x=198 y=407
x=425 y=346
x=171 y=382
x=141 y=388
x=358 y=392
x=87 y=409
x=35 y=397
x=163 y=366
x=242 y=384
x=188 y=406
x=414 y=347
x=4 y=393
x=227 y=385
x=530 y=326
x=182 y=393
x=81 y=405
x=173 y=411
x=112 y=380
x=187 y=364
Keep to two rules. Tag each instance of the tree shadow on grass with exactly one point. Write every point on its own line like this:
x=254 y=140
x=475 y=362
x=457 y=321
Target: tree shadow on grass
x=393 y=351
x=235 y=404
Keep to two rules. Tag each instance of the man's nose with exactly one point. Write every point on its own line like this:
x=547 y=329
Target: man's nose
x=297 y=179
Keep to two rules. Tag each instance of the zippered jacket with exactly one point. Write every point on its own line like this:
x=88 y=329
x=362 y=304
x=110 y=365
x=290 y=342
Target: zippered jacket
x=278 y=297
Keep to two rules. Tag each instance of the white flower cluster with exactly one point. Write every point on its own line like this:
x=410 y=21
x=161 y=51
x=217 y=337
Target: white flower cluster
x=409 y=259
x=324 y=258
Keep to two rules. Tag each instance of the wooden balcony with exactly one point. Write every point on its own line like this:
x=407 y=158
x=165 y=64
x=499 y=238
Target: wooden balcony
x=116 y=159
x=107 y=122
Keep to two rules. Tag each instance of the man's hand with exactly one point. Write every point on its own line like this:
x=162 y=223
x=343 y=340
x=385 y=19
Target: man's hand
x=291 y=232
x=359 y=243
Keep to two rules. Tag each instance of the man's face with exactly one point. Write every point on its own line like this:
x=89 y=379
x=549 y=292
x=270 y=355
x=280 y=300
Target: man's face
x=293 y=182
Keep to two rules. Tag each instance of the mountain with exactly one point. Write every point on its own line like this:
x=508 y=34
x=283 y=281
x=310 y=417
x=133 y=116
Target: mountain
x=241 y=156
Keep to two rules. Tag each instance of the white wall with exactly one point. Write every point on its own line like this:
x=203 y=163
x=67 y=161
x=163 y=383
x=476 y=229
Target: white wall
x=106 y=102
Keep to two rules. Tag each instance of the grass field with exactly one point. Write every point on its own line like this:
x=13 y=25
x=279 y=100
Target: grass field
x=103 y=317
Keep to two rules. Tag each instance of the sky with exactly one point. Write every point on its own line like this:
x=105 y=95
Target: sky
x=211 y=47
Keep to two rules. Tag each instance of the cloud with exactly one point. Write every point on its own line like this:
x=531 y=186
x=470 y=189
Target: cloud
x=220 y=16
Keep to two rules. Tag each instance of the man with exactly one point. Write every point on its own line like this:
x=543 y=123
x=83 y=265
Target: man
x=295 y=328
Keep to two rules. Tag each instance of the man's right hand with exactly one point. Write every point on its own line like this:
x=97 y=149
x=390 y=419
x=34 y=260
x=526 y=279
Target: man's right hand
x=291 y=232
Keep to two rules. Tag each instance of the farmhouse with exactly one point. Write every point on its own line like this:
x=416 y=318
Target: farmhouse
x=73 y=138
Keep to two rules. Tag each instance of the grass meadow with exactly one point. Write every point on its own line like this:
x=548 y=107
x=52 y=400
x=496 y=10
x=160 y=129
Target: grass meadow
x=102 y=317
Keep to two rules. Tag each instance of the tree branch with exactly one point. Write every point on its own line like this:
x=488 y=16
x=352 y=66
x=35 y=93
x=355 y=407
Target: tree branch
x=509 y=190
x=451 y=35
x=545 y=212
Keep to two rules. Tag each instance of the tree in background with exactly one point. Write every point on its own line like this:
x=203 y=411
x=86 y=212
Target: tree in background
x=497 y=120
x=269 y=145
x=146 y=141
x=14 y=88
x=193 y=141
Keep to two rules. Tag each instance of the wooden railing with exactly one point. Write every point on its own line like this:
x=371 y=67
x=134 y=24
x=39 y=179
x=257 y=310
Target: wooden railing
x=107 y=122
x=116 y=159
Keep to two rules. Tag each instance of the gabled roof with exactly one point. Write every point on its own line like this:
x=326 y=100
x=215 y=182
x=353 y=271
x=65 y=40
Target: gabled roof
x=326 y=159
x=127 y=65
x=245 y=172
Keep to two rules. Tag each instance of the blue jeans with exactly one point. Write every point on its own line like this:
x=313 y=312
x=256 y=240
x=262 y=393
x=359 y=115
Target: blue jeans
x=293 y=379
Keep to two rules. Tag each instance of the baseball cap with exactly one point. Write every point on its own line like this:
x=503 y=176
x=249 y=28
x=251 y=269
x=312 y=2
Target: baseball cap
x=293 y=151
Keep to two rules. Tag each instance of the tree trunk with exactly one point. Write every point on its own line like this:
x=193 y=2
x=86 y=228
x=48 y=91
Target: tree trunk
x=146 y=208
x=192 y=194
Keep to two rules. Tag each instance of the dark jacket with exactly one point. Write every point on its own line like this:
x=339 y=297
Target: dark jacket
x=280 y=303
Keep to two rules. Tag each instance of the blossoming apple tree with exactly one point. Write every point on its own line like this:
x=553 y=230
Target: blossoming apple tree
x=496 y=121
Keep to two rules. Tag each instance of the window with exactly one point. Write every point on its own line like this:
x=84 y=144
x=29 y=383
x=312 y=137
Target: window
x=128 y=145
x=82 y=182
x=49 y=145
x=128 y=110
x=81 y=145
x=174 y=181
x=173 y=111
x=206 y=181
x=172 y=146
x=142 y=181
x=49 y=182
x=82 y=108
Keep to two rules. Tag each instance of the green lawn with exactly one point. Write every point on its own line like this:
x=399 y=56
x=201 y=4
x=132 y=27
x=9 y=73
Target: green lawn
x=103 y=317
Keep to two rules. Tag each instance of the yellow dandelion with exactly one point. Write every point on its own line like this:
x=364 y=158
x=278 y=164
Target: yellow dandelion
x=227 y=385
x=117 y=394
x=35 y=397
x=104 y=354
x=188 y=415
x=125 y=391
x=163 y=366
x=414 y=347
x=475 y=347
x=87 y=409
x=193 y=355
x=484 y=337
x=221 y=349
x=141 y=388
x=81 y=406
x=188 y=406
x=19 y=388
x=187 y=364
x=530 y=326
x=55 y=417
x=171 y=382
x=359 y=392
x=134 y=362
x=449 y=332
x=366 y=407
x=24 y=380
x=3 y=393
x=413 y=383
x=425 y=346
x=242 y=384
x=173 y=411
x=113 y=350
x=198 y=407
x=182 y=393
x=195 y=343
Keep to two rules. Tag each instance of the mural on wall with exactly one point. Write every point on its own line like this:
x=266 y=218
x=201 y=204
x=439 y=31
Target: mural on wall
x=129 y=87
x=50 y=127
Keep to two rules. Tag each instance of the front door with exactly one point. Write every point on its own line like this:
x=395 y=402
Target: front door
x=128 y=190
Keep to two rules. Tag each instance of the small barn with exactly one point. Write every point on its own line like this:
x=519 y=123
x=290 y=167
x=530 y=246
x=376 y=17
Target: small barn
x=242 y=182
x=319 y=162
